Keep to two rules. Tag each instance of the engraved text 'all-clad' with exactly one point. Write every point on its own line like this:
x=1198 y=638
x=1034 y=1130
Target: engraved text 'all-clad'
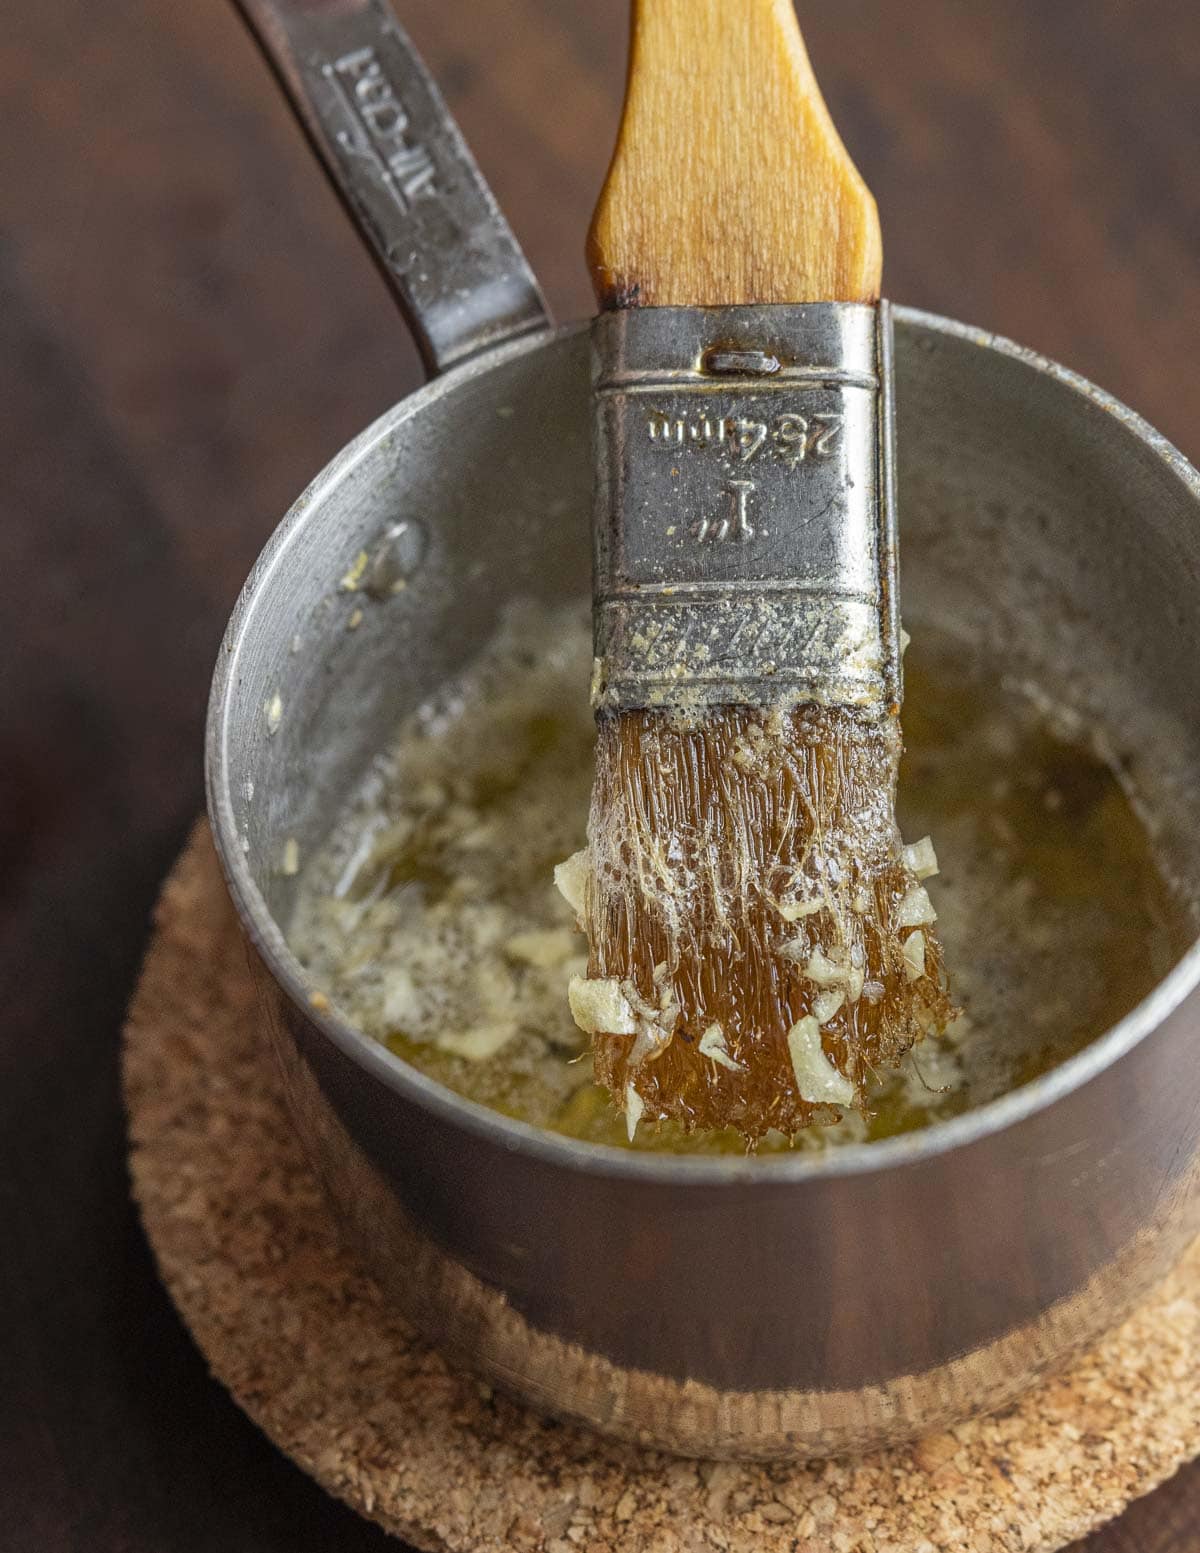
x=378 y=111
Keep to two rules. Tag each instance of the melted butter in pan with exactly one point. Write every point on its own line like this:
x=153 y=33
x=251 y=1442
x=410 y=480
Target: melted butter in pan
x=432 y=922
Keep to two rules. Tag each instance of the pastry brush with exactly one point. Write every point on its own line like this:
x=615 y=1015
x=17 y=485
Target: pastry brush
x=760 y=941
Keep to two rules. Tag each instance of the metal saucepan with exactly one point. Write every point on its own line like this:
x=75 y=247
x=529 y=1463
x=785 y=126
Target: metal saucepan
x=810 y=1305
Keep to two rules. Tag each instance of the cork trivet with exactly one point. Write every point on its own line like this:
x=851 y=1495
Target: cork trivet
x=304 y=1341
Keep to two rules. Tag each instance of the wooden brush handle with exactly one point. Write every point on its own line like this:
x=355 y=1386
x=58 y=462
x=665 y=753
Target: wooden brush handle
x=729 y=182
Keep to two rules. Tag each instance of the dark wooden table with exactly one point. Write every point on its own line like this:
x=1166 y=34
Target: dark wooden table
x=187 y=331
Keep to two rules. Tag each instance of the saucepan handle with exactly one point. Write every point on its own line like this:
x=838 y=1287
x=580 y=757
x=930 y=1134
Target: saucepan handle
x=403 y=170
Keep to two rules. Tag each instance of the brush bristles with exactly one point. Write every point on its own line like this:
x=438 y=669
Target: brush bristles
x=746 y=869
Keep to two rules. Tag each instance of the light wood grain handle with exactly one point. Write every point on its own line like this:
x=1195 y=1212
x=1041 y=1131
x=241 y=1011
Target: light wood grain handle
x=729 y=182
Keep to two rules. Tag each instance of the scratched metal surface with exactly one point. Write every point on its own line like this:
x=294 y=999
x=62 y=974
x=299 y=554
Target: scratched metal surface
x=187 y=331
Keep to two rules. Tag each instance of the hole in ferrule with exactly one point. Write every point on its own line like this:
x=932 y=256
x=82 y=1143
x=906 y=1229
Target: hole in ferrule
x=744 y=363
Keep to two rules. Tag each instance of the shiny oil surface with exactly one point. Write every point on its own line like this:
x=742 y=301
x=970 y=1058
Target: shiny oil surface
x=429 y=912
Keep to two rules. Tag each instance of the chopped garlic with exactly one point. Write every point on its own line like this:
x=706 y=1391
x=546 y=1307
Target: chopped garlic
x=652 y=1040
x=349 y=583
x=571 y=879
x=274 y=714
x=494 y=984
x=668 y=1008
x=792 y=911
x=824 y=971
x=921 y=858
x=818 y=1081
x=914 y=955
x=826 y=1005
x=712 y=1044
x=855 y=982
x=916 y=909
x=544 y=948
x=641 y=1006
x=599 y=1007
x=634 y=1106
x=401 y=1006
x=655 y=1023
x=480 y=1042
x=904 y=641
x=474 y=838
x=290 y=862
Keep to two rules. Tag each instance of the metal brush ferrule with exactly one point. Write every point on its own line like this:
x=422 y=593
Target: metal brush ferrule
x=745 y=539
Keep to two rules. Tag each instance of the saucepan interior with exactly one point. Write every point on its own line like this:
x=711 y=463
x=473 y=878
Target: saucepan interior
x=1038 y=518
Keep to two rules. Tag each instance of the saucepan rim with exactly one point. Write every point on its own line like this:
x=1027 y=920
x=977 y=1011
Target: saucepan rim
x=395 y=1074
